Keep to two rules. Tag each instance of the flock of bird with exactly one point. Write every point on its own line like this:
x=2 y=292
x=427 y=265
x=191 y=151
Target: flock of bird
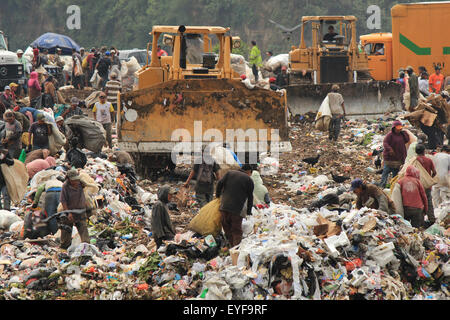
x=312 y=161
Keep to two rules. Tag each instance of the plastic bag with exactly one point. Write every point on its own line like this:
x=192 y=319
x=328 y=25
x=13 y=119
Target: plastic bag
x=56 y=140
x=397 y=199
x=207 y=221
x=7 y=219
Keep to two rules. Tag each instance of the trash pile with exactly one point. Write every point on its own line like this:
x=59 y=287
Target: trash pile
x=290 y=253
x=295 y=249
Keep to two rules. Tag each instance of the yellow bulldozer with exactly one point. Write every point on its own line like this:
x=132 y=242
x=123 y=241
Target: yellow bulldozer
x=334 y=57
x=192 y=97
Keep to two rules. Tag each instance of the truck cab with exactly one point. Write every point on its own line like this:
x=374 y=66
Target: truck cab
x=10 y=68
x=378 y=47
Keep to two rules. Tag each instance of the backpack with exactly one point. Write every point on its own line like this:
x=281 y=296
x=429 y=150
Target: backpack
x=205 y=174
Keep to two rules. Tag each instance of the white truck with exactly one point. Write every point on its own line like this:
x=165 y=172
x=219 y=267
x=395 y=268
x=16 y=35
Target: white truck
x=10 y=68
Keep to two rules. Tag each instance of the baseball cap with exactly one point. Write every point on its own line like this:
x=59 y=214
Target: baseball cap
x=397 y=123
x=108 y=53
x=243 y=77
x=12 y=84
x=356 y=184
x=20 y=51
x=72 y=174
x=40 y=116
x=59 y=118
x=283 y=68
x=7 y=88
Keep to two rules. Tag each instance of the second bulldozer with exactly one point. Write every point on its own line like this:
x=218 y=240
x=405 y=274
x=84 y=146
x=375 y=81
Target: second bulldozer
x=336 y=59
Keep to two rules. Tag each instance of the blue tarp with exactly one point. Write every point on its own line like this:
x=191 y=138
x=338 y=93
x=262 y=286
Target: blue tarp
x=51 y=41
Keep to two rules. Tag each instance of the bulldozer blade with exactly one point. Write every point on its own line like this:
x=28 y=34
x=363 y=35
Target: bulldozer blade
x=362 y=99
x=219 y=104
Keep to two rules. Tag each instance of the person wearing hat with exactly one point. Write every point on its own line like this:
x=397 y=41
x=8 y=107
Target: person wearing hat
x=5 y=158
x=72 y=198
x=162 y=227
x=337 y=109
x=14 y=90
x=39 y=132
x=60 y=123
x=6 y=99
x=74 y=109
x=31 y=113
x=12 y=134
x=112 y=88
x=436 y=80
x=371 y=196
x=413 y=82
x=272 y=83
x=282 y=78
x=104 y=113
x=395 y=152
x=22 y=60
x=235 y=190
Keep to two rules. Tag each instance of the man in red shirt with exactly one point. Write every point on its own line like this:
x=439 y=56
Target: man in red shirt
x=436 y=80
x=428 y=165
x=414 y=199
x=161 y=52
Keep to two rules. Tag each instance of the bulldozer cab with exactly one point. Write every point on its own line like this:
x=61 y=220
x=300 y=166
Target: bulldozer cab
x=333 y=56
x=192 y=55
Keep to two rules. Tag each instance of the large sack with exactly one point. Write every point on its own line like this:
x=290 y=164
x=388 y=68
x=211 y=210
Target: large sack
x=425 y=178
x=323 y=124
x=16 y=178
x=412 y=138
x=428 y=118
x=90 y=190
x=275 y=62
x=92 y=99
x=56 y=140
x=323 y=116
x=207 y=221
x=7 y=219
x=93 y=135
x=225 y=159
x=41 y=177
x=132 y=66
x=396 y=197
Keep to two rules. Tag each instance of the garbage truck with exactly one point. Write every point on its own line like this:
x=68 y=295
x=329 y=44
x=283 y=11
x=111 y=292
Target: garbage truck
x=336 y=59
x=417 y=39
x=10 y=68
x=193 y=97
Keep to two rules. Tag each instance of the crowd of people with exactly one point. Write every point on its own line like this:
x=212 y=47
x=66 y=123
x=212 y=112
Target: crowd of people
x=41 y=84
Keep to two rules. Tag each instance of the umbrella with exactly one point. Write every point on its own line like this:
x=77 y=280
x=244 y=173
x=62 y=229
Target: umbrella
x=51 y=41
